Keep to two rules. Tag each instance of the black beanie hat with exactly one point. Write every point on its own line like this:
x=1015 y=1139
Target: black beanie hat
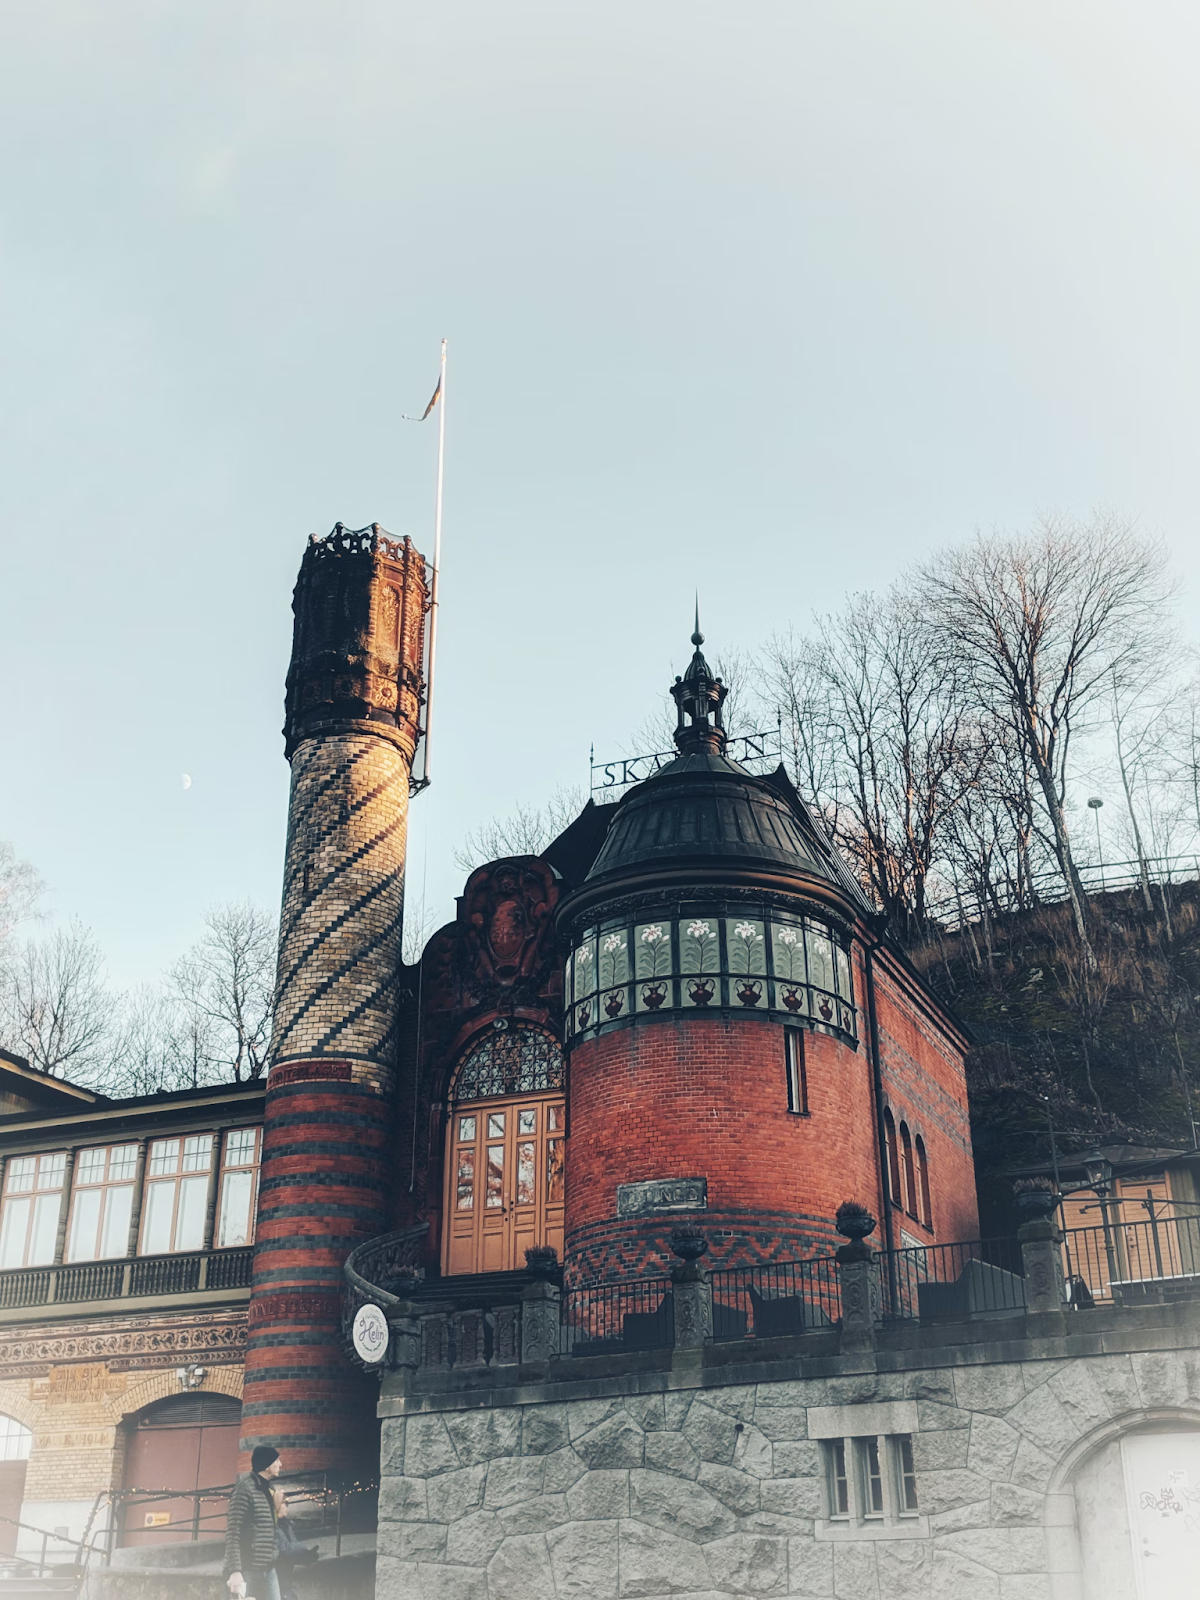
x=263 y=1456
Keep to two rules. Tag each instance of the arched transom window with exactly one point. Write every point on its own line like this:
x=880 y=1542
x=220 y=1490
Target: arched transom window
x=510 y=1059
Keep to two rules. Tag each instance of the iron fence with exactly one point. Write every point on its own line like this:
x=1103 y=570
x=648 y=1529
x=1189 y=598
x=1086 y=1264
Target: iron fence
x=1117 y=1260
x=956 y=908
x=781 y=1298
x=944 y=1282
x=607 y=1317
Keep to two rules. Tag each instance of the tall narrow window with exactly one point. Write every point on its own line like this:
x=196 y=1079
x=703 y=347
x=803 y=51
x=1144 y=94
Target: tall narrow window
x=839 y=1485
x=29 y=1216
x=239 y=1187
x=870 y=1477
x=176 y=1194
x=926 y=1212
x=893 y=1159
x=907 y=1173
x=797 y=1081
x=102 y=1202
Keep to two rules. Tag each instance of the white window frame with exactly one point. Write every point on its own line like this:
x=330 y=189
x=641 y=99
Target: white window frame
x=228 y=1170
x=186 y=1166
x=862 y=1519
x=46 y=1174
x=107 y=1187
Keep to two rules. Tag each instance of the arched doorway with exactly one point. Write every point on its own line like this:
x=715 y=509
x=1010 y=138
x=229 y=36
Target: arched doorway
x=505 y=1151
x=182 y=1444
x=15 y=1444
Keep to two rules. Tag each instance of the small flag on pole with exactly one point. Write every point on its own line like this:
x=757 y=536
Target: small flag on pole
x=433 y=400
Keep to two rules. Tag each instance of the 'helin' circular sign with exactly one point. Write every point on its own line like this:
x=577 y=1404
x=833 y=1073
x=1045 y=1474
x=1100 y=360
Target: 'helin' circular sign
x=370 y=1334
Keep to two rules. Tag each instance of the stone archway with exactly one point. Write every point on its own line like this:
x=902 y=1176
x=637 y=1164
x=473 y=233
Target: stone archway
x=1100 y=1529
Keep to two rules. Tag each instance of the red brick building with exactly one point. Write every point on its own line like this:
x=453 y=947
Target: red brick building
x=685 y=1010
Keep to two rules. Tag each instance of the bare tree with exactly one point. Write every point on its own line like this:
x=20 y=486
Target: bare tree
x=224 y=986
x=1043 y=622
x=20 y=890
x=524 y=832
x=55 y=1008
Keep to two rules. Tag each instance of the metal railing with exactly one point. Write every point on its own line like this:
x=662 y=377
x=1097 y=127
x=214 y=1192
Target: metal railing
x=82 y=1550
x=127 y=1279
x=945 y=1282
x=635 y=1315
x=784 y=1297
x=1118 y=1260
x=318 y=1505
x=956 y=908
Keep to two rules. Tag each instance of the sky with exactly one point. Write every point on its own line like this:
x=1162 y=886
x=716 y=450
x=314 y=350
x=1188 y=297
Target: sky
x=762 y=300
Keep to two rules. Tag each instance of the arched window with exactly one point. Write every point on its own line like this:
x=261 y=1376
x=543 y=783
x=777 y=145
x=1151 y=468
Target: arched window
x=510 y=1059
x=893 y=1159
x=923 y=1183
x=908 y=1172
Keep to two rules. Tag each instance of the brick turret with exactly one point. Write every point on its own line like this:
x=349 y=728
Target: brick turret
x=353 y=700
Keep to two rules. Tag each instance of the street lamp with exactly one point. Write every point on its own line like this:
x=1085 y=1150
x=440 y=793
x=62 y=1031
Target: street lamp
x=1094 y=804
x=1099 y=1171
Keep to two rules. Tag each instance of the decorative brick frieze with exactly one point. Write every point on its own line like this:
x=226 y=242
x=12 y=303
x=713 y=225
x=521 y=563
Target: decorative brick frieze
x=125 y=1344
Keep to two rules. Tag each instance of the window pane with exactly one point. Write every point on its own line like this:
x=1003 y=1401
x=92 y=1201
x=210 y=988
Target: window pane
x=820 y=959
x=747 y=945
x=89 y=1166
x=525 y=1179
x=908 y=1476
x=496 y=1125
x=787 y=944
x=189 y=1226
x=614 y=958
x=13 y=1229
x=839 y=1491
x=164 y=1157
x=466 y=1177
x=122 y=1162
x=118 y=1209
x=699 y=945
x=527 y=1121
x=45 y=1227
x=197 y=1153
x=495 y=1176
x=20 y=1174
x=872 y=1477
x=239 y=1147
x=85 y=1224
x=237 y=1189
x=652 y=949
x=51 y=1171
x=557 y=1117
x=554 y=1170
x=160 y=1205
x=585 y=967
x=466 y=1129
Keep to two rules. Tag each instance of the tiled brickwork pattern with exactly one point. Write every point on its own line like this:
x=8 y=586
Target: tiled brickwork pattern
x=707 y=1492
x=698 y=1096
x=343 y=900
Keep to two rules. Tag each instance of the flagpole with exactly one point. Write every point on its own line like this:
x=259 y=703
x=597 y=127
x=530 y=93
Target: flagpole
x=437 y=563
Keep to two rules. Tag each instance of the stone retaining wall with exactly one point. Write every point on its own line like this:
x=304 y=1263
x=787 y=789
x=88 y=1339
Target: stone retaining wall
x=703 y=1481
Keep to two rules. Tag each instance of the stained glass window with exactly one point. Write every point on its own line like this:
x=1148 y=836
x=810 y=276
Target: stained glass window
x=512 y=1060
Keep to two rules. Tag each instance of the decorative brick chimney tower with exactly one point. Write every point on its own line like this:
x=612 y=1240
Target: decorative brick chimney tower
x=354 y=693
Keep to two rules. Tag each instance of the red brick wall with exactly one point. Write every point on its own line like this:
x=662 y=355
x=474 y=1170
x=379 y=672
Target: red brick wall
x=693 y=1096
x=323 y=1190
x=925 y=1085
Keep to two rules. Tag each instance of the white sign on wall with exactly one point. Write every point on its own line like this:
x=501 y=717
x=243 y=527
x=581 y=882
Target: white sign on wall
x=370 y=1334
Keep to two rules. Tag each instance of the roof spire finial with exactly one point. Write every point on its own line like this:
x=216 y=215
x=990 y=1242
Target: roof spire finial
x=697 y=637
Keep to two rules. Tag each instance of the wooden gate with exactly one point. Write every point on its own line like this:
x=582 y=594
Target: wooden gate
x=182 y=1444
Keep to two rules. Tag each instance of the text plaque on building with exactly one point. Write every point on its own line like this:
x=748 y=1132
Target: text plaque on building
x=660 y=1196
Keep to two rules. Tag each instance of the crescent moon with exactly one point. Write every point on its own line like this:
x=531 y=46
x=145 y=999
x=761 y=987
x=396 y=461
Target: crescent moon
x=186 y=781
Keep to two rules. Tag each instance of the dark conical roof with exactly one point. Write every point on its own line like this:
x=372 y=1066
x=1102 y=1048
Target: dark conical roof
x=704 y=810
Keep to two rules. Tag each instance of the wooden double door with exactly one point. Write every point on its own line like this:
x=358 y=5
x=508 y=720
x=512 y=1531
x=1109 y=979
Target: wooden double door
x=505 y=1175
